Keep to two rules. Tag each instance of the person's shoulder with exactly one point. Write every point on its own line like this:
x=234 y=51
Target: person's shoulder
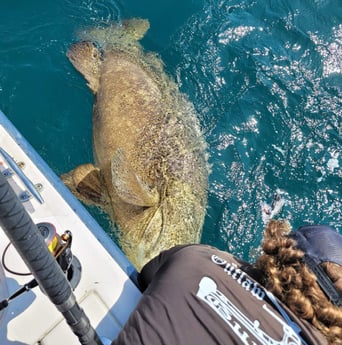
x=198 y=254
x=180 y=255
x=195 y=250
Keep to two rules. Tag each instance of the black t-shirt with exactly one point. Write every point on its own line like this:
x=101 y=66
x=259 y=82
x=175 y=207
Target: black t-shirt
x=199 y=295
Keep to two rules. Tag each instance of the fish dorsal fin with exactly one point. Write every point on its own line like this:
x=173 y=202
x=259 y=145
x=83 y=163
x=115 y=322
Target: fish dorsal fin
x=128 y=185
x=118 y=35
x=136 y=28
x=87 y=59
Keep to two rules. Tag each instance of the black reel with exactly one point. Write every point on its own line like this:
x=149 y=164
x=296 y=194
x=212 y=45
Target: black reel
x=60 y=247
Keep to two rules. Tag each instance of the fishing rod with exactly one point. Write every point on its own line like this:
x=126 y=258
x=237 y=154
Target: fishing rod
x=47 y=272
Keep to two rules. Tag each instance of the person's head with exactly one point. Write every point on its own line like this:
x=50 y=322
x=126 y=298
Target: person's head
x=304 y=270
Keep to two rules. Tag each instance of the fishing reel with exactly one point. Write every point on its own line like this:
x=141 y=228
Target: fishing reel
x=60 y=247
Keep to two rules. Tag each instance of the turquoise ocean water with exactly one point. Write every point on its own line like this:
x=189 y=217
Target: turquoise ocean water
x=264 y=76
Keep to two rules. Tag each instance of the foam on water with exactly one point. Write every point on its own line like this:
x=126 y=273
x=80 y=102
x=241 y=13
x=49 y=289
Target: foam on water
x=267 y=83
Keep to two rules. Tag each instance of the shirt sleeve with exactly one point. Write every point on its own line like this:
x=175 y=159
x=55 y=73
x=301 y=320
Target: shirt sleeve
x=151 y=268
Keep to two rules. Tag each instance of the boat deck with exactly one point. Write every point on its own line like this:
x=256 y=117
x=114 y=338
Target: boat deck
x=105 y=292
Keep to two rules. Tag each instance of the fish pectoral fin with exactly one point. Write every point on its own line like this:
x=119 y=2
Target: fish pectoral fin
x=128 y=185
x=87 y=59
x=85 y=183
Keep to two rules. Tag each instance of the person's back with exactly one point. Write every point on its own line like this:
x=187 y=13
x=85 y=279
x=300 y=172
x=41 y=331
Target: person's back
x=199 y=295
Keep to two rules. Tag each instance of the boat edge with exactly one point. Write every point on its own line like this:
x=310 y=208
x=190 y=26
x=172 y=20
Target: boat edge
x=74 y=203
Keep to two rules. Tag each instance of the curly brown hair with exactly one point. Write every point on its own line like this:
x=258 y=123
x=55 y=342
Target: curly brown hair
x=287 y=277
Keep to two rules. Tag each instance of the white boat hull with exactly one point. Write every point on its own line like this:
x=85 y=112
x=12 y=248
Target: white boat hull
x=105 y=292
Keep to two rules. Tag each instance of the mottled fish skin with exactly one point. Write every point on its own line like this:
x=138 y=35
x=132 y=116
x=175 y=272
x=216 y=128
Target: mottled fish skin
x=151 y=167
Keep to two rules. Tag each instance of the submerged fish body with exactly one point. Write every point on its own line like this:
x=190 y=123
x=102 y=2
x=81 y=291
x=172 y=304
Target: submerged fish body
x=150 y=173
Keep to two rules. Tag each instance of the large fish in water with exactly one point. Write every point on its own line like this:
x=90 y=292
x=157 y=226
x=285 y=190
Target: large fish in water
x=150 y=173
